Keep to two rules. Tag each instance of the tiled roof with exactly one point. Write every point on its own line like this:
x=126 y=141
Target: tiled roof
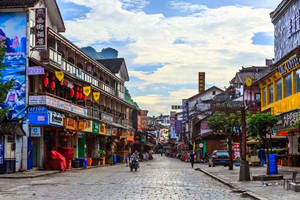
x=114 y=65
x=18 y=3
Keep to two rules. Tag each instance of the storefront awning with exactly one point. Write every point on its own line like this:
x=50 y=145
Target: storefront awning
x=11 y=128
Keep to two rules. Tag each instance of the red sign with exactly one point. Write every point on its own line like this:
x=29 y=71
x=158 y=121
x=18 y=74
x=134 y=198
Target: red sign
x=282 y=133
x=140 y=123
x=40 y=28
x=236 y=150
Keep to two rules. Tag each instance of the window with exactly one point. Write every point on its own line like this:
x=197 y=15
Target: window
x=257 y=97
x=271 y=93
x=298 y=80
x=288 y=85
x=278 y=90
x=264 y=96
x=214 y=93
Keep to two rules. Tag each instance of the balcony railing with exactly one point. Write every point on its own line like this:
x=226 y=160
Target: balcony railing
x=56 y=57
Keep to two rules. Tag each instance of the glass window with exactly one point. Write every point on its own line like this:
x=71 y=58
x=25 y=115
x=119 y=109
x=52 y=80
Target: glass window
x=288 y=85
x=264 y=96
x=59 y=59
x=279 y=90
x=271 y=93
x=298 y=80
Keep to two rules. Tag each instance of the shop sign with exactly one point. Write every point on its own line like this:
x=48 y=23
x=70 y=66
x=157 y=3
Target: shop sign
x=114 y=131
x=236 y=150
x=130 y=138
x=56 y=103
x=287 y=120
x=35 y=70
x=70 y=124
x=107 y=117
x=288 y=65
x=95 y=127
x=102 y=129
x=282 y=133
x=108 y=131
x=36 y=131
x=88 y=126
x=125 y=134
x=40 y=28
x=81 y=125
x=37 y=115
x=56 y=119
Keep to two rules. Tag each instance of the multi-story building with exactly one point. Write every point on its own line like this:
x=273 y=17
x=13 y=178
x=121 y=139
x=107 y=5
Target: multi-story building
x=280 y=88
x=67 y=98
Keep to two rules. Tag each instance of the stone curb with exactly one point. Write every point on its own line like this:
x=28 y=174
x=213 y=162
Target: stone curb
x=230 y=185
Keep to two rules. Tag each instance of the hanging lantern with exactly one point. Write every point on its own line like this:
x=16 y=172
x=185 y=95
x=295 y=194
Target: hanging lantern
x=52 y=84
x=72 y=92
x=84 y=97
x=77 y=93
x=46 y=80
x=80 y=94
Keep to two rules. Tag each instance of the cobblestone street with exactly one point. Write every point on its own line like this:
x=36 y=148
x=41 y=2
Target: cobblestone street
x=162 y=178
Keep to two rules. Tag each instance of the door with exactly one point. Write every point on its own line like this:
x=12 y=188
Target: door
x=35 y=151
x=81 y=147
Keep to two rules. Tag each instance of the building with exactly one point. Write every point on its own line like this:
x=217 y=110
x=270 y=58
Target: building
x=70 y=101
x=280 y=88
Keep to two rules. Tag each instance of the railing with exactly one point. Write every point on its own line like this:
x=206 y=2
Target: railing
x=56 y=57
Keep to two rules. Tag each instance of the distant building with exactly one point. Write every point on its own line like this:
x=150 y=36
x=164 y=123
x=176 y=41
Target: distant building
x=108 y=53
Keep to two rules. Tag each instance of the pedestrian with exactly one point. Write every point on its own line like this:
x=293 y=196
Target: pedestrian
x=192 y=158
x=161 y=152
x=262 y=156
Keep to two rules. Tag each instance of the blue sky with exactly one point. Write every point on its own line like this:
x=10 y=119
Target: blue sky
x=167 y=42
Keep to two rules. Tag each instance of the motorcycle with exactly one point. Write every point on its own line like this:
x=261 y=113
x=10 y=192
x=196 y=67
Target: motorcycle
x=134 y=164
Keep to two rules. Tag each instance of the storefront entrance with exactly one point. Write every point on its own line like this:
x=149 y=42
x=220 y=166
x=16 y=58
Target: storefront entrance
x=81 y=146
x=36 y=151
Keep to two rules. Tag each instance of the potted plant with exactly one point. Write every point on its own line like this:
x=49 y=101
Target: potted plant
x=102 y=156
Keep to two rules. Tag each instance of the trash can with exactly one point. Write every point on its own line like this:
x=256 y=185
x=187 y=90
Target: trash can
x=114 y=159
x=273 y=168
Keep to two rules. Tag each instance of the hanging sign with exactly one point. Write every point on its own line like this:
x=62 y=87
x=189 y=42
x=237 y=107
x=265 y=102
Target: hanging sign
x=249 y=82
x=59 y=75
x=56 y=118
x=40 y=28
x=87 y=90
x=36 y=131
x=96 y=95
x=36 y=70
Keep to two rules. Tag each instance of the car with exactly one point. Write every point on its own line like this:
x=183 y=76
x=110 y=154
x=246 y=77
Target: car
x=219 y=157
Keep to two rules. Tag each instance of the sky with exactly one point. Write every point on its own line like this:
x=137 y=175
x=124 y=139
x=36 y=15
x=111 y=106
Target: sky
x=166 y=43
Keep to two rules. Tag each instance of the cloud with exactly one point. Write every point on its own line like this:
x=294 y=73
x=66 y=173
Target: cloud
x=183 y=6
x=135 y=5
x=160 y=104
x=216 y=40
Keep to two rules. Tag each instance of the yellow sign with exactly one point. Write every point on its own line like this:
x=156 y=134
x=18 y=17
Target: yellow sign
x=194 y=147
x=87 y=90
x=249 y=82
x=59 y=75
x=96 y=95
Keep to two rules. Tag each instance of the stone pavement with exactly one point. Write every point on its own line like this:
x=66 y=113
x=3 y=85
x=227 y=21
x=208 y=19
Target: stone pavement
x=162 y=178
x=34 y=173
x=273 y=191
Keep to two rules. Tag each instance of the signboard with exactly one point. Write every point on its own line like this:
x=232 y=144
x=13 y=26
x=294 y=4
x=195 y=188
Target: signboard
x=290 y=64
x=37 y=115
x=36 y=70
x=178 y=127
x=140 y=123
x=144 y=118
x=13 y=38
x=95 y=127
x=201 y=81
x=185 y=108
x=102 y=128
x=56 y=103
x=70 y=124
x=107 y=117
x=40 y=28
x=236 y=150
x=249 y=82
x=36 y=131
x=56 y=118
x=88 y=126
x=286 y=120
x=176 y=107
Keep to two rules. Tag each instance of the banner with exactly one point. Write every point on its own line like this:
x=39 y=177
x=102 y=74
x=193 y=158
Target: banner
x=40 y=28
x=13 y=39
x=87 y=90
x=59 y=75
x=96 y=96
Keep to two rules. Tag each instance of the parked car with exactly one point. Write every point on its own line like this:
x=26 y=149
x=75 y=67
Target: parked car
x=219 y=157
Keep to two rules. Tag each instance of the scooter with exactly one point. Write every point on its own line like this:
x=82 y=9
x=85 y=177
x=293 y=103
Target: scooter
x=134 y=164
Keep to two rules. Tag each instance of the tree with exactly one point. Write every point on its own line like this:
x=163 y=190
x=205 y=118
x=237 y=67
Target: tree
x=4 y=86
x=259 y=125
x=227 y=123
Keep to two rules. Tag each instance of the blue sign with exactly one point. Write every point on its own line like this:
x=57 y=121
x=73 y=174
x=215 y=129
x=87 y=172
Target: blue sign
x=36 y=131
x=38 y=115
x=13 y=40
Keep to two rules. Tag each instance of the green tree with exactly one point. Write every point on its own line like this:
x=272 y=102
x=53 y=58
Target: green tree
x=4 y=87
x=228 y=123
x=259 y=125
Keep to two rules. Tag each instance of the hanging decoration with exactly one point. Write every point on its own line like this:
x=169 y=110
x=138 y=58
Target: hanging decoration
x=46 y=79
x=84 y=97
x=72 y=92
x=52 y=84
x=96 y=96
x=87 y=90
x=77 y=92
x=59 y=75
x=80 y=94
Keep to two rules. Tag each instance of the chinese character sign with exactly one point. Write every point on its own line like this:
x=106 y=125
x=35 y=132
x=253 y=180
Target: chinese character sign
x=13 y=39
x=40 y=28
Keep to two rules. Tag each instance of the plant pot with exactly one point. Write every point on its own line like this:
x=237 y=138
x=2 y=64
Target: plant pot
x=96 y=162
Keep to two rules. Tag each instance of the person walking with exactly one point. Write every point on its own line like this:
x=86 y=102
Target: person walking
x=192 y=158
x=262 y=156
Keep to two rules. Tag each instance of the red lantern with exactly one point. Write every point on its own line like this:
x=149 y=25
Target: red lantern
x=52 y=84
x=77 y=93
x=46 y=81
x=80 y=94
x=72 y=92
x=84 y=97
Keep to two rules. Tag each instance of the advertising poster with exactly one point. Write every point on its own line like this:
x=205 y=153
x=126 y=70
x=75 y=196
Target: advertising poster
x=13 y=37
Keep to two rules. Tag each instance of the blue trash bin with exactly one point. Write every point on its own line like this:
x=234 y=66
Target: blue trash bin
x=273 y=168
x=114 y=158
